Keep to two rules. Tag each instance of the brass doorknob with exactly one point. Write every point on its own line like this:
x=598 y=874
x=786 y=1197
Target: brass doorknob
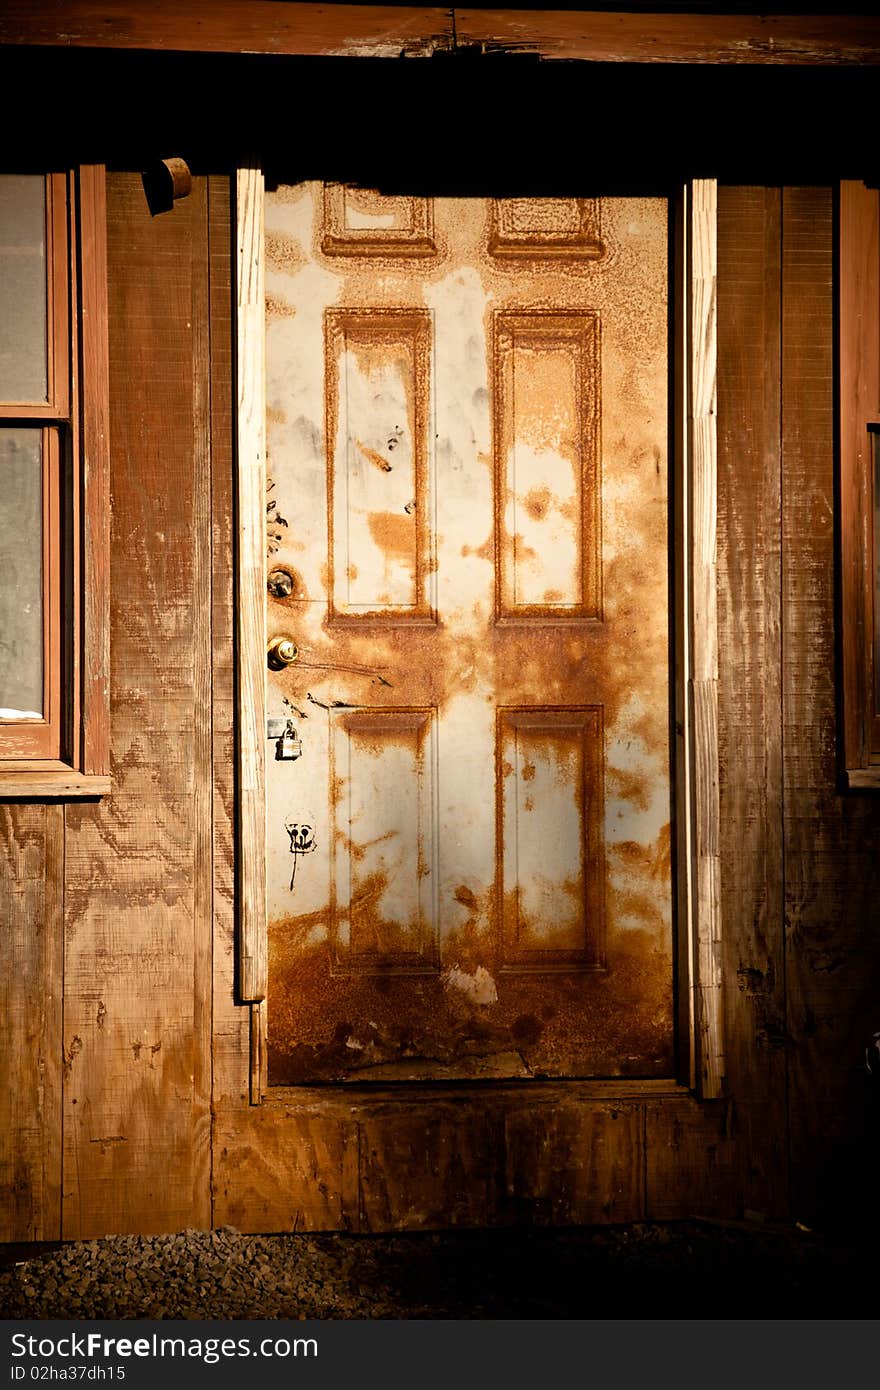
x=281 y=652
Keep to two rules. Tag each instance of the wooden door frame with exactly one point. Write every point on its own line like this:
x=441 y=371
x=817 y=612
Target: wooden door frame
x=693 y=665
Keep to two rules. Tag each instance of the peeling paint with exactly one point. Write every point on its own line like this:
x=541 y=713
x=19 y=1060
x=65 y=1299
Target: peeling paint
x=479 y=987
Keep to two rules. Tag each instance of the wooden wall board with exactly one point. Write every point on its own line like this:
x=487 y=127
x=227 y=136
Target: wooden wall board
x=691 y=1160
x=750 y=707
x=137 y=903
x=202 y=807
x=615 y=37
x=422 y=1167
x=832 y=867
x=571 y=1165
x=231 y=26
x=31 y=962
x=285 y=1168
x=260 y=26
x=382 y=1160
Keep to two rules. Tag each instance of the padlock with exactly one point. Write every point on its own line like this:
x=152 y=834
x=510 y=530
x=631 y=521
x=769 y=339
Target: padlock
x=289 y=745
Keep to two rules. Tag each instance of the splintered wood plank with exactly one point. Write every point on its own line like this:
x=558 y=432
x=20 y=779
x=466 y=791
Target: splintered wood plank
x=251 y=582
x=750 y=694
x=137 y=907
x=832 y=868
x=31 y=891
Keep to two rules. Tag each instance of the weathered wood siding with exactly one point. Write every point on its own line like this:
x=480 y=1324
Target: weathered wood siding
x=31 y=953
x=117 y=917
x=750 y=694
x=138 y=883
x=831 y=838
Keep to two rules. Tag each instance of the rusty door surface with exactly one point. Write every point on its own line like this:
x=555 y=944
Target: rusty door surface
x=468 y=762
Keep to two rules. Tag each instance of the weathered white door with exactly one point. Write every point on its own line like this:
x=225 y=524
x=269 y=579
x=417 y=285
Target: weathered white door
x=469 y=862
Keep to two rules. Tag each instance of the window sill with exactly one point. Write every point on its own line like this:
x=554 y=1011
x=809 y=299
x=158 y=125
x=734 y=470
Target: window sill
x=62 y=783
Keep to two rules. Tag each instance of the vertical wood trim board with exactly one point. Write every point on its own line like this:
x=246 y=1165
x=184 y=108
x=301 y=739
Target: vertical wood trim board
x=231 y=1022
x=750 y=684
x=859 y=403
x=222 y=928
x=703 y=631
x=685 y=1018
x=251 y=584
x=94 y=755
x=202 y=750
x=31 y=899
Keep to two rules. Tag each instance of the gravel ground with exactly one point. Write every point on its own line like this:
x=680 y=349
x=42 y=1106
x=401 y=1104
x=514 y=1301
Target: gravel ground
x=684 y=1269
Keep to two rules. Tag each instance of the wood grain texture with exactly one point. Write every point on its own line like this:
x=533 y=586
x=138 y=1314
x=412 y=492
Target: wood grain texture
x=286 y=1168
x=54 y=782
x=227 y=1023
x=701 y=436
x=599 y=36
x=260 y=26
x=691 y=1160
x=424 y=1167
x=750 y=684
x=859 y=263
x=832 y=868
x=573 y=1164
x=251 y=584
x=231 y=1021
x=94 y=432
x=135 y=1104
x=231 y=26
x=31 y=892
x=203 y=743
x=378 y=1159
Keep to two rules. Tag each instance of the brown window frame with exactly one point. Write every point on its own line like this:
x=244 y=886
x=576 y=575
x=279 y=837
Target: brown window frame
x=859 y=291
x=66 y=753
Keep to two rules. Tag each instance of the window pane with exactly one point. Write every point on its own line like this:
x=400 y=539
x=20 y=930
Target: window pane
x=23 y=370
x=21 y=572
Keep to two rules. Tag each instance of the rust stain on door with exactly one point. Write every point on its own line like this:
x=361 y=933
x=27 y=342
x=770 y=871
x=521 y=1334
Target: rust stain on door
x=467 y=423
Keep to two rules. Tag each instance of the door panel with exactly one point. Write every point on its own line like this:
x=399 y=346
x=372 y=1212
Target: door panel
x=469 y=868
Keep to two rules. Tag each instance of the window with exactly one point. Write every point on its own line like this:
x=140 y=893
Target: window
x=53 y=484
